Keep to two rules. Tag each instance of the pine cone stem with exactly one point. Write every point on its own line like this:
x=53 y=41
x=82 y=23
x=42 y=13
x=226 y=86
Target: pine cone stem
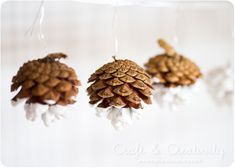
x=52 y=57
x=114 y=57
x=169 y=49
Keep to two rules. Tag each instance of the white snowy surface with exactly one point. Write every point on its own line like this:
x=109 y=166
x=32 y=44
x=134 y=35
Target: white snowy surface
x=48 y=113
x=118 y=116
x=173 y=98
x=220 y=84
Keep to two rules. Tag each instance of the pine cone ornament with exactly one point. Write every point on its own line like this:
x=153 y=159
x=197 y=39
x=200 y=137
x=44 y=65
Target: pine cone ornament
x=172 y=69
x=47 y=85
x=119 y=88
x=174 y=76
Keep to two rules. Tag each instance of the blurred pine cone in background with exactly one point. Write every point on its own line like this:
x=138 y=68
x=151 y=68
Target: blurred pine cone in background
x=172 y=69
x=174 y=77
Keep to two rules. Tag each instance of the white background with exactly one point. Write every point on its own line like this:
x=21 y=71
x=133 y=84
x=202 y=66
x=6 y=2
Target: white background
x=199 y=134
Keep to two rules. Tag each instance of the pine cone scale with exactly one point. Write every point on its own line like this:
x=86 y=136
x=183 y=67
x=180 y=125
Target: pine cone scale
x=123 y=90
x=106 y=93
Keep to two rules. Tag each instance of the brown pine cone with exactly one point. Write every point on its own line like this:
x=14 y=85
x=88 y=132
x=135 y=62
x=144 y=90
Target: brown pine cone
x=46 y=79
x=121 y=83
x=172 y=69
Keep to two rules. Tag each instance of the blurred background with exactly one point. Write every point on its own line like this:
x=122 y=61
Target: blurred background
x=200 y=133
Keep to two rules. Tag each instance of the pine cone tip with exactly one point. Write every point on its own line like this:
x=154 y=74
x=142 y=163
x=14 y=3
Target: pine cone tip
x=114 y=57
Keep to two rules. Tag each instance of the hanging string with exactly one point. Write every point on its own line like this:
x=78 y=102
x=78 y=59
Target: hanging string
x=114 y=27
x=175 y=35
x=40 y=15
x=40 y=35
x=38 y=19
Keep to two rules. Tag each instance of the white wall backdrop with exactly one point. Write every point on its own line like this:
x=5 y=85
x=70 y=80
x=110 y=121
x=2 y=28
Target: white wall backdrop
x=198 y=134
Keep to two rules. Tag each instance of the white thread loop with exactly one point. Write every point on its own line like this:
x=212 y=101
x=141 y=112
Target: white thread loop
x=39 y=16
x=38 y=20
x=41 y=35
x=114 y=27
